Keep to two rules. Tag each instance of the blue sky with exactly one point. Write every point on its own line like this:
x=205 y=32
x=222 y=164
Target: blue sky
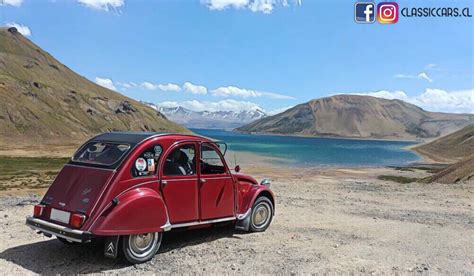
x=236 y=54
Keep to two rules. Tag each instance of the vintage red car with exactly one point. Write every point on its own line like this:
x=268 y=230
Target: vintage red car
x=129 y=188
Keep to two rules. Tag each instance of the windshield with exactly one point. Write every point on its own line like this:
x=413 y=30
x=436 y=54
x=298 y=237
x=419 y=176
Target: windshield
x=101 y=153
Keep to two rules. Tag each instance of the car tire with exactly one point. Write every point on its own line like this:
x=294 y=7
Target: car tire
x=140 y=248
x=65 y=241
x=262 y=214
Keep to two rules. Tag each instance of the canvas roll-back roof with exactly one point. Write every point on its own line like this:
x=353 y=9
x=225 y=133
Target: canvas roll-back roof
x=134 y=138
x=127 y=137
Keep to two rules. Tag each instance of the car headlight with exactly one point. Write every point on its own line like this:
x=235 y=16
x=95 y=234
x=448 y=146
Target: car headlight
x=266 y=182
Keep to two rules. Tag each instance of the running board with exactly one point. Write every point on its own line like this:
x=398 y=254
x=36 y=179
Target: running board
x=168 y=226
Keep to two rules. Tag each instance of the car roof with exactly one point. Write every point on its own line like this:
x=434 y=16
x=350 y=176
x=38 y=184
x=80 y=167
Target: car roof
x=135 y=138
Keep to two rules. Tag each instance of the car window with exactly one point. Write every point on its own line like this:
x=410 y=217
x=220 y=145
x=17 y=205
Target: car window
x=146 y=164
x=181 y=161
x=211 y=162
x=101 y=153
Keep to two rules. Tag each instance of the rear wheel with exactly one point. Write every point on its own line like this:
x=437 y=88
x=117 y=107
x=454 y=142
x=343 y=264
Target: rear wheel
x=262 y=214
x=140 y=248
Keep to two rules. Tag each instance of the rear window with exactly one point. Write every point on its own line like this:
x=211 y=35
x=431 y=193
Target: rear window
x=101 y=153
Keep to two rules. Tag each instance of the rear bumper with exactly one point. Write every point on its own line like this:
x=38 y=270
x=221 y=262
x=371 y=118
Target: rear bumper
x=58 y=230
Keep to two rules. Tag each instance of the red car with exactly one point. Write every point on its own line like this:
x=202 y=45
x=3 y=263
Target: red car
x=132 y=187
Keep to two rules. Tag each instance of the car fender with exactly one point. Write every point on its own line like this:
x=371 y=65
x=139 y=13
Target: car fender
x=254 y=192
x=140 y=210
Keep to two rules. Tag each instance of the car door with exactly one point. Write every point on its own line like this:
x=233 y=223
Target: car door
x=179 y=183
x=216 y=186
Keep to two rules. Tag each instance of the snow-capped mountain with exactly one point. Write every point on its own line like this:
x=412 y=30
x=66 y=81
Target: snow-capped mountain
x=209 y=119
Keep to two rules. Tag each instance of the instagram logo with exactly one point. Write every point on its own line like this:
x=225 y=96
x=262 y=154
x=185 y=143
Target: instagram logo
x=387 y=12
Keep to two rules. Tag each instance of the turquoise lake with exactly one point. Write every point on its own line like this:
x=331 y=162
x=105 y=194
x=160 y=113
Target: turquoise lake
x=307 y=152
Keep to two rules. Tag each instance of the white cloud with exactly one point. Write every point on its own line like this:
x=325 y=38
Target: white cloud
x=22 y=29
x=195 y=89
x=224 y=105
x=14 y=3
x=264 y=6
x=421 y=75
x=441 y=100
x=424 y=76
x=104 y=5
x=149 y=86
x=433 y=99
x=229 y=91
x=105 y=82
x=169 y=87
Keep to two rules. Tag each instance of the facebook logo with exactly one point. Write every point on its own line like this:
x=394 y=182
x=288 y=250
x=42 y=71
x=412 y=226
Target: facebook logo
x=364 y=12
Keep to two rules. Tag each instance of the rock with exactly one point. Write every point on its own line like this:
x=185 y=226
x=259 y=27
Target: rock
x=13 y=30
x=125 y=107
x=37 y=85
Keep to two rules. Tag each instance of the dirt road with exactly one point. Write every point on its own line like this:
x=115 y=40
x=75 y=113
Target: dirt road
x=327 y=220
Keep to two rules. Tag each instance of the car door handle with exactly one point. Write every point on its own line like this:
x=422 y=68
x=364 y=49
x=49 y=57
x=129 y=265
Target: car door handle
x=164 y=182
x=203 y=180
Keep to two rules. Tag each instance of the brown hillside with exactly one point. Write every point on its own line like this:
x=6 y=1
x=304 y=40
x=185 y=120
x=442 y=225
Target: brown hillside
x=360 y=117
x=44 y=102
x=454 y=146
x=462 y=170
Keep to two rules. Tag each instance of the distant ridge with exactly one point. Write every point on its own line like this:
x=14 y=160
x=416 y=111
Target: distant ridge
x=356 y=116
x=209 y=119
x=44 y=102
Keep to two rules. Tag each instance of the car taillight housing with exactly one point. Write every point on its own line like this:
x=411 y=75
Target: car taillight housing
x=77 y=220
x=38 y=210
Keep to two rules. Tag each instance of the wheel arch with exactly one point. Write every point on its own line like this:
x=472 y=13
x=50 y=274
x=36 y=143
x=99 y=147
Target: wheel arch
x=140 y=210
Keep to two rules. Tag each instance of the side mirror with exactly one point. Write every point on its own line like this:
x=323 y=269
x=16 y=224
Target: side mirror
x=237 y=168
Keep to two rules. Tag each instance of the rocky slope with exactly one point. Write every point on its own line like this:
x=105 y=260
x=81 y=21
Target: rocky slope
x=457 y=146
x=44 y=102
x=360 y=117
x=210 y=119
x=454 y=146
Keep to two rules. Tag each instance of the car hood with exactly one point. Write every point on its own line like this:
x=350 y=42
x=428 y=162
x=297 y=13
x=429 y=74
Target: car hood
x=246 y=178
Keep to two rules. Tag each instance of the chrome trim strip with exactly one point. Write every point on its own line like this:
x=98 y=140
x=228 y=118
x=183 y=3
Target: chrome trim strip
x=244 y=215
x=194 y=223
x=167 y=226
x=211 y=178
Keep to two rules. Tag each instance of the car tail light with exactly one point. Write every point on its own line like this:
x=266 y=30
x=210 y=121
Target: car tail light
x=77 y=220
x=38 y=210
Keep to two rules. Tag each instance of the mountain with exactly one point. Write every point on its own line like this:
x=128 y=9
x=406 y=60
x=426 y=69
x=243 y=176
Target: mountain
x=359 y=117
x=208 y=119
x=454 y=146
x=44 y=102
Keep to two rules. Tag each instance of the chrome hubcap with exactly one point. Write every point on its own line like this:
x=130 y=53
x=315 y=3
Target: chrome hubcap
x=261 y=215
x=142 y=244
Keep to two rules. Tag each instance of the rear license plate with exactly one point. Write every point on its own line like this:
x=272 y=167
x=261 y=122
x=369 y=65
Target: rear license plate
x=61 y=216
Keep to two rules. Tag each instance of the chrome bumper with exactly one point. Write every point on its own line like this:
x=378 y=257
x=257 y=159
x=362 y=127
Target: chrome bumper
x=58 y=230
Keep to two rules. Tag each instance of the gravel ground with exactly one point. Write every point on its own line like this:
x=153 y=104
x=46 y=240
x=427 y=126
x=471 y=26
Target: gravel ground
x=329 y=220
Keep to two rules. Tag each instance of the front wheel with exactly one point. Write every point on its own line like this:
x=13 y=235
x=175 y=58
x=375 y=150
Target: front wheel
x=141 y=248
x=262 y=214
